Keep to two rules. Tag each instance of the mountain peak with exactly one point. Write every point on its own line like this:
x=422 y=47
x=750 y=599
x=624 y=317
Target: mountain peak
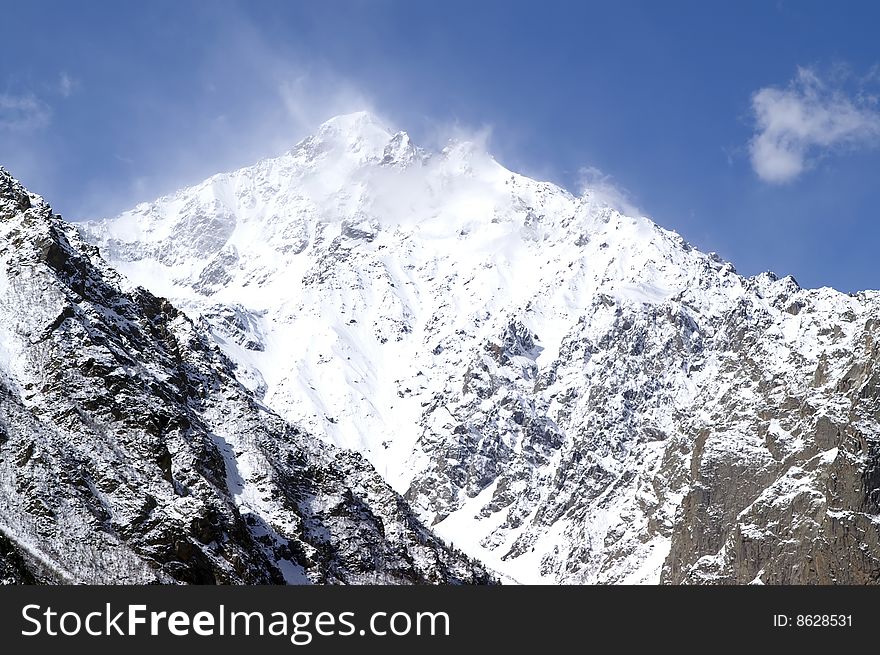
x=353 y=122
x=357 y=131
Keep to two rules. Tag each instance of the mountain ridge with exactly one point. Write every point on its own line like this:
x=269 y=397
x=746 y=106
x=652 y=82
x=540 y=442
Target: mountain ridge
x=567 y=393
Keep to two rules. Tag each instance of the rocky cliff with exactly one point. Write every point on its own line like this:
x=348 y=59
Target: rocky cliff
x=130 y=453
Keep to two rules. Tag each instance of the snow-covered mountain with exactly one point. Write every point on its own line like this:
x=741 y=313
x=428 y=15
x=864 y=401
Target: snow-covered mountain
x=130 y=453
x=565 y=392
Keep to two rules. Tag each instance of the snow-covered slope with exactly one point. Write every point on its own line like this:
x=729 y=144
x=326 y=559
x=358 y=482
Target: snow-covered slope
x=566 y=392
x=130 y=453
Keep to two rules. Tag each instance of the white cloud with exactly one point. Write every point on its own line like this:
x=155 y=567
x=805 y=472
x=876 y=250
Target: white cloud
x=311 y=99
x=66 y=85
x=602 y=187
x=22 y=113
x=805 y=120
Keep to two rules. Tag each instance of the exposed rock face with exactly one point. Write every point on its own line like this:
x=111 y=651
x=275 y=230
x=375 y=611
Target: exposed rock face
x=130 y=453
x=794 y=499
x=568 y=393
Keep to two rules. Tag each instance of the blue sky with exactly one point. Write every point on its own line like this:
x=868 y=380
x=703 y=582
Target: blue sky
x=752 y=128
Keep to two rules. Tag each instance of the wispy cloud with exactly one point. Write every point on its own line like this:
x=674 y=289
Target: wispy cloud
x=605 y=190
x=251 y=98
x=66 y=85
x=805 y=120
x=22 y=113
x=309 y=99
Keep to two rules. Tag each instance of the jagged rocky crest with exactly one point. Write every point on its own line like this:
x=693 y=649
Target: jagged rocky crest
x=129 y=452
